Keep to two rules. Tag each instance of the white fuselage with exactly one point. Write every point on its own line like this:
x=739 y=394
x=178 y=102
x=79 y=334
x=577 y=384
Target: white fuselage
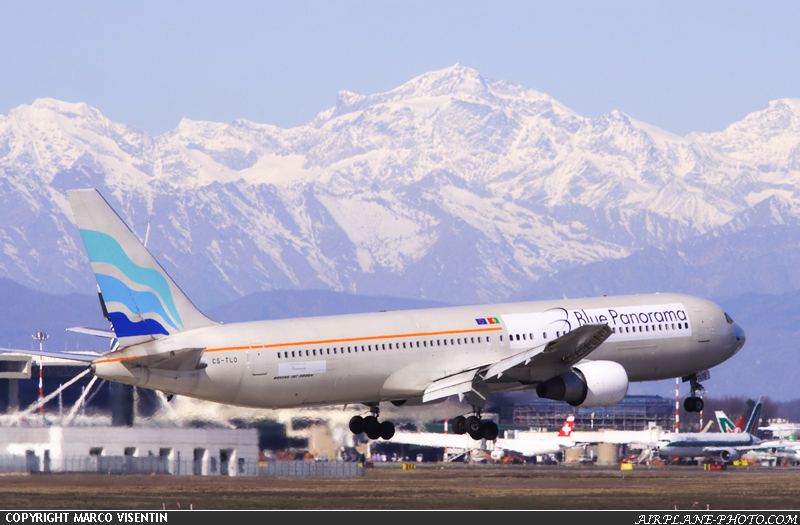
x=700 y=444
x=395 y=355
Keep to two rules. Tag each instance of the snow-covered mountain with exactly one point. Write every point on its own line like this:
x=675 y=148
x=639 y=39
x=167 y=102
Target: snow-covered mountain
x=451 y=187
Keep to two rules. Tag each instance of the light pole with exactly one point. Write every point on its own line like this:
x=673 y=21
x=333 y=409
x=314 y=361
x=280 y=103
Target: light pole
x=41 y=336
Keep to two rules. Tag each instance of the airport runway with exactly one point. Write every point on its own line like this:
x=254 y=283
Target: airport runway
x=426 y=487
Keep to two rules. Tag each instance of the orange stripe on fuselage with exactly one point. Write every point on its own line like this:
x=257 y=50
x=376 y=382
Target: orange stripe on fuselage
x=327 y=341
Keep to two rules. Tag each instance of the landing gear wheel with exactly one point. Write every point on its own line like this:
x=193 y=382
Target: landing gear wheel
x=490 y=431
x=356 y=425
x=693 y=404
x=459 y=425
x=387 y=430
x=372 y=427
x=475 y=428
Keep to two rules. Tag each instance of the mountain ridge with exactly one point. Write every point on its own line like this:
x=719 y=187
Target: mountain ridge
x=450 y=187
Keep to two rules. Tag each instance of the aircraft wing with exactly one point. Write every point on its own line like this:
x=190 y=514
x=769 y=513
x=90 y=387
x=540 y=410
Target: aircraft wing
x=533 y=365
x=86 y=358
x=543 y=362
x=433 y=439
x=532 y=447
x=774 y=444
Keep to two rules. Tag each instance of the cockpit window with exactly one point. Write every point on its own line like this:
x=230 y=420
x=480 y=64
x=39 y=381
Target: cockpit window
x=728 y=318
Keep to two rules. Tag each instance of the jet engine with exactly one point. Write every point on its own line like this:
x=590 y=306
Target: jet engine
x=590 y=384
x=729 y=454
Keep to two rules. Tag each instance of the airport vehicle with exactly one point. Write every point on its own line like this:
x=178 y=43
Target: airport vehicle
x=536 y=447
x=725 y=446
x=582 y=351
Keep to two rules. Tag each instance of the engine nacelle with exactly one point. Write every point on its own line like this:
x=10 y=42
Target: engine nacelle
x=589 y=384
x=729 y=454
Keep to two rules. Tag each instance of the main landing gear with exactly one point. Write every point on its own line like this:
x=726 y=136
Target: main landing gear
x=476 y=428
x=371 y=426
x=694 y=403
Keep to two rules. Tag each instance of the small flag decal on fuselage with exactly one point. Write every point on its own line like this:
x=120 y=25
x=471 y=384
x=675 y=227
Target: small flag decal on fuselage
x=488 y=320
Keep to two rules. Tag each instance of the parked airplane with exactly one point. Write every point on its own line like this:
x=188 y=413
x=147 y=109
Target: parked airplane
x=726 y=446
x=582 y=351
x=536 y=447
x=771 y=450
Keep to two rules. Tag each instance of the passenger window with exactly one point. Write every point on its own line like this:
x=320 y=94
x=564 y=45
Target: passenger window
x=279 y=355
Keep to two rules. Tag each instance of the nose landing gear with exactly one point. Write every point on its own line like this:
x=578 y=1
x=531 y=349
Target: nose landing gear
x=694 y=403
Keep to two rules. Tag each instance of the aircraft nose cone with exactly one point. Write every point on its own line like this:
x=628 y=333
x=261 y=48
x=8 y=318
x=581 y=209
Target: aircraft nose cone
x=738 y=335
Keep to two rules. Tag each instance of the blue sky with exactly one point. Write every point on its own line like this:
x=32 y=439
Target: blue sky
x=683 y=66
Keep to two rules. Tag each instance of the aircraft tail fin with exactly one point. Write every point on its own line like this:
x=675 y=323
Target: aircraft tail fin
x=752 y=423
x=566 y=430
x=725 y=424
x=142 y=302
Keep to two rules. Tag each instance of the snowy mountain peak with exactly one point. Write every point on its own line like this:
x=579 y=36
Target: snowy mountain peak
x=769 y=137
x=453 y=80
x=450 y=185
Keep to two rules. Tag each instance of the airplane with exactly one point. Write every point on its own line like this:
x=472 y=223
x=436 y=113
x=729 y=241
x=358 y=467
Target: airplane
x=726 y=446
x=535 y=447
x=771 y=450
x=581 y=351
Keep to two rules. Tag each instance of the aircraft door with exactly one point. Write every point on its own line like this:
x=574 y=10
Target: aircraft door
x=258 y=361
x=703 y=325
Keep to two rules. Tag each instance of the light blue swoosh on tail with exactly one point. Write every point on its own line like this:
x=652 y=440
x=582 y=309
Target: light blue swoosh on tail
x=102 y=248
x=144 y=302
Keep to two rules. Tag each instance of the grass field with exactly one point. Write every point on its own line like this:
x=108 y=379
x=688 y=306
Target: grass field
x=430 y=487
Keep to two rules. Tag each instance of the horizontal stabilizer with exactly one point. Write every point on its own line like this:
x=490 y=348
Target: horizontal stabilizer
x=86 y=358
x=183 y=360
x=92 y=331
